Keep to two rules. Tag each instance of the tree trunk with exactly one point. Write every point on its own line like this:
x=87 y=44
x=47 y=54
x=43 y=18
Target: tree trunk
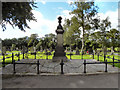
x=83 y=32
x=82 y=43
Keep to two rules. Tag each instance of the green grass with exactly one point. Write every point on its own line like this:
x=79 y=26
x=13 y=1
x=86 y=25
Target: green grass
x=41 y=55
x=109 y=59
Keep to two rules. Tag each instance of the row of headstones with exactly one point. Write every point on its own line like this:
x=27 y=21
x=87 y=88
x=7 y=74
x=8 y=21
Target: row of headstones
x=47 y=51
x=33 y=49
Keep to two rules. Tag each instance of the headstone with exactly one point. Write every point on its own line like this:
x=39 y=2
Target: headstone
x=41 y=50
x=59 y=51
x=77 y=52
x=51 y=49
x=90 y=51
x=4 y=50
x=48 y=53
x=24 y=50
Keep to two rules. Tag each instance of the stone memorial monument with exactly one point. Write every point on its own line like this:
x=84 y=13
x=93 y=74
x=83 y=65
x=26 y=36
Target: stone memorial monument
x=59 y=51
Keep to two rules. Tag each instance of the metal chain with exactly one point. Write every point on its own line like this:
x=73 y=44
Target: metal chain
x=51 y=67
x=74 y=67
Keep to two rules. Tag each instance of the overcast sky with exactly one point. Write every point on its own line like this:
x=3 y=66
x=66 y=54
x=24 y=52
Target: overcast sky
x=47 y=13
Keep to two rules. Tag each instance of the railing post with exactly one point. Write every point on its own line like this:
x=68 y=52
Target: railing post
x=70 y=55
x=84 y=66
x=18 y=56
x=106 y=66
x=113 y=61
x=14 y=67
x=47 y=56
x=104 y=57
x=3 y=60
x=62 y=66
x=37 y=66
x=35 y=55
x=98 y=56
x=12 y=57
x=93 y=55
x=23 y=55
x=82 y=55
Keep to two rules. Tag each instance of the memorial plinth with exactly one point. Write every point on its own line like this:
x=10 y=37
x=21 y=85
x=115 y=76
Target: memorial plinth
x=59 y=50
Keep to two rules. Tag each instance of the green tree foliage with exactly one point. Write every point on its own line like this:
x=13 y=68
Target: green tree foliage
x=22 y=42
x=104 y=25
x=17 y=14
x=19 y=43
x=114 y=37
x=33 y=40
x=95 y=40
x=47 y=42
x=84 y=19
x=72 y=32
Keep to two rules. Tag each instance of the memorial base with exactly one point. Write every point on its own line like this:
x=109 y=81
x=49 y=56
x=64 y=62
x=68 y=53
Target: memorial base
x=59 y=55
x=58 y=59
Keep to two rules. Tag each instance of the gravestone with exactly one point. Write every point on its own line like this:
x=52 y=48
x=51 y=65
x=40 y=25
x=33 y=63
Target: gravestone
x=90 y=51
x=4 y=50
x=24 y=50
x=59 y=50
x=77 y=52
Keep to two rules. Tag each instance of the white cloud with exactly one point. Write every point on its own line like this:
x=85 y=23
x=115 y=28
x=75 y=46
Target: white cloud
x=113 y=17
x=70 y=1
x=43 y=2
x=41 y=27
x=66 y=14
x=44 y=26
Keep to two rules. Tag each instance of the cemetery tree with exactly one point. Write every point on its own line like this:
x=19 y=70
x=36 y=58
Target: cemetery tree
x=49 y=41
x=22 y=42
x=72 y=33
x=7 y=43
x=17 y=14
x=113 y=36
x=104 y=25
x=84 y=13
x=33 y=40
x=39 y=45
x=95 y=40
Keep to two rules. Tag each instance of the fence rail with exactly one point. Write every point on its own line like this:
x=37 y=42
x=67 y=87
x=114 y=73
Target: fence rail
x=61 y=63
x=105 y=62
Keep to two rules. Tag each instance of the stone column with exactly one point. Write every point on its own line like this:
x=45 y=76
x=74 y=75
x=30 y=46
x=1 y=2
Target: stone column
x=59 y=51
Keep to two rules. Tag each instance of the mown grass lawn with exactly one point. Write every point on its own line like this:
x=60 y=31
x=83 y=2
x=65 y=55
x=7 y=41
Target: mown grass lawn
x=111 y=59
x=41 y=55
